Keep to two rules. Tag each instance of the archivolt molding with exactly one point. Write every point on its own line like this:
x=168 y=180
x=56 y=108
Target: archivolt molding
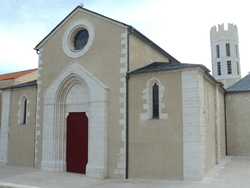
x=73 y=74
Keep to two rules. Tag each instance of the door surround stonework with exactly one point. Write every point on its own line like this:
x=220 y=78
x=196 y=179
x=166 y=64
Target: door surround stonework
x=56 y=112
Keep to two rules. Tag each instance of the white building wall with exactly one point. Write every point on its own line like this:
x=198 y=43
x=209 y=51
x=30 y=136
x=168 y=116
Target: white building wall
x=4 y=140
x=193 y=125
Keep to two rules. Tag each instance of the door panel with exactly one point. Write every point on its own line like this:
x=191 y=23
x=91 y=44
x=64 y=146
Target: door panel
x=77 y=142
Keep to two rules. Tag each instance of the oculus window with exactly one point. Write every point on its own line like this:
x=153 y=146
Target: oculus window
x=81 y=39
x=78 y=38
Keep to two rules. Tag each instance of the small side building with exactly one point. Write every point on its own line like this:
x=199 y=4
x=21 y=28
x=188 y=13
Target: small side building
x=238 y=118
x=15 y=78
x=20 y=102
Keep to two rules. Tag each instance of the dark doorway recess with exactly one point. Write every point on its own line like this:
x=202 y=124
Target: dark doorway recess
x=77 y=142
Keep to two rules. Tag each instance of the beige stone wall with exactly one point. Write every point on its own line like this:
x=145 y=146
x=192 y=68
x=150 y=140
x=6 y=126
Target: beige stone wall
x=7 y=83
x=210 y=126
x=26 y=78
x=238 y=123
x=214 y=114
x=155 y=145
x=21 y=136
x=140 y=53
x=222 y=125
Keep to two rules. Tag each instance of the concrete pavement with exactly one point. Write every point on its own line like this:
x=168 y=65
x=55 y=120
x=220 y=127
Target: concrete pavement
x=232 y=172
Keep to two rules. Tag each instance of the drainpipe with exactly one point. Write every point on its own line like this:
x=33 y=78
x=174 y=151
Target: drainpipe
x=127 y=103
x=225 y=116
x=34 y=163
x=34 y=152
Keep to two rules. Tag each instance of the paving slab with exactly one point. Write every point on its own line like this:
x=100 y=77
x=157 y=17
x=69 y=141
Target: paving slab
x=232 y=172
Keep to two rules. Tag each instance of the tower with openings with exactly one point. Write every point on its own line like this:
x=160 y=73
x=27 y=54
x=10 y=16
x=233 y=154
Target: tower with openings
x=225 y=54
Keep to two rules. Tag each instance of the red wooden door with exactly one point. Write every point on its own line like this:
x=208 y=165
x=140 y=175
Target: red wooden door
x=77 y=142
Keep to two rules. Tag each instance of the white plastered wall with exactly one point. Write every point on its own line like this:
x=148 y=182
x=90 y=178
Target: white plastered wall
x=57 y=104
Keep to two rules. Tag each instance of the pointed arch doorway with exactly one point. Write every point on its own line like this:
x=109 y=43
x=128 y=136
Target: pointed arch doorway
x=75 y=90
x=77 y=142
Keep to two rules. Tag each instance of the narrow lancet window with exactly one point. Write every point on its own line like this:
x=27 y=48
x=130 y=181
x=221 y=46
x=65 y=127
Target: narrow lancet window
x=229 y=67
x=155 y=101
x=24 y=111
x=228 y=49
x=217 y=51
x=218 y=68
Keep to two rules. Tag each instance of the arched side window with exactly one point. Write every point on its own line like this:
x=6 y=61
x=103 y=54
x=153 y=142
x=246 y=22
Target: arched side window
x=155 y=101
x=153 y=95
x=23 y=110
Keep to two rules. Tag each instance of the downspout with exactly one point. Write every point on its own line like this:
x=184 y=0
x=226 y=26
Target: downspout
x=34 y=163
x=225 y=117
x=127 y=103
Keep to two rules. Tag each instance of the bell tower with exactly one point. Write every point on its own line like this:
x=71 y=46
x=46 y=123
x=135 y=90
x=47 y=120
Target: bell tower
x=225 y=54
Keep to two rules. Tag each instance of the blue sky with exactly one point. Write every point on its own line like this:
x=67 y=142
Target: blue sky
x=180 y=27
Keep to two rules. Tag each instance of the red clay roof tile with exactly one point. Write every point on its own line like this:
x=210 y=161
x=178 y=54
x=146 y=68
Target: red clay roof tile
x=16 y=74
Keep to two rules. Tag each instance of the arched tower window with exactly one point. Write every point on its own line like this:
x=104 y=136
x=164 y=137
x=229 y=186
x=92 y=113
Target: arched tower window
x=228 y=49
x=155 y=97
x=217 y=51
x=229 y=67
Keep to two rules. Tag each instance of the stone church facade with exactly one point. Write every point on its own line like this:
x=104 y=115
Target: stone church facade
x=108 y=102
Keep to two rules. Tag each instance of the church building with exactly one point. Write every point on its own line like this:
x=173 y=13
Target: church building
x=110 y=103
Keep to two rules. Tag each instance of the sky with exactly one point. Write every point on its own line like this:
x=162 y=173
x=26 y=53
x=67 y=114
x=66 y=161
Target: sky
x=180 y=27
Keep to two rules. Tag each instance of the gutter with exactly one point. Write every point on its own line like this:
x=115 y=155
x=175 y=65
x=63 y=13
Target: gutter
x=127 y=103
x=37 y=50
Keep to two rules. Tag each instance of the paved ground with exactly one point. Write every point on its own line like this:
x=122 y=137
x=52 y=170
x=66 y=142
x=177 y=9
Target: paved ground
x=232 y=172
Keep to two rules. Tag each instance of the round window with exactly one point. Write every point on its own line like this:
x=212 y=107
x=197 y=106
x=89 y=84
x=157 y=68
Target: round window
x=81 y=39
x=78 y=38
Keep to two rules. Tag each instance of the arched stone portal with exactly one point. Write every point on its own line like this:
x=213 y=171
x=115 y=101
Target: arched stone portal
x=57 y=105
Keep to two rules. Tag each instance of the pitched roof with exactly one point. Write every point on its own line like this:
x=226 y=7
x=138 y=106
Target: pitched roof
x=16 y=74
x=26 y=84
x=131 y=29
x=242 y=85
x=164 y=66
